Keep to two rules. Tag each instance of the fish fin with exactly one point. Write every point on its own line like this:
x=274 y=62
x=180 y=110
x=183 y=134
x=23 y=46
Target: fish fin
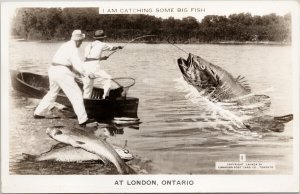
x=58 y=126
x=28 y=157
x=80 y=142
x=125 y=144
x=58 y=146
x=241 y=80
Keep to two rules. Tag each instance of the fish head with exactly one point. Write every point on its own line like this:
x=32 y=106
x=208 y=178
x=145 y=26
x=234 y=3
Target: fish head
x=53 y=131
x=197 y=71
x=124 y=153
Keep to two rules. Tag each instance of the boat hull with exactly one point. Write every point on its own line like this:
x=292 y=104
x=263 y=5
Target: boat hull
x=36 y=86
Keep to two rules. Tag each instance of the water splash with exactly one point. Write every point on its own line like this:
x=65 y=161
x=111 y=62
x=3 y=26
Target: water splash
x=228 y=115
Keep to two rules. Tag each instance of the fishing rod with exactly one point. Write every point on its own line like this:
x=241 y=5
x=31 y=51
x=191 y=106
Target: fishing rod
x=131 y=42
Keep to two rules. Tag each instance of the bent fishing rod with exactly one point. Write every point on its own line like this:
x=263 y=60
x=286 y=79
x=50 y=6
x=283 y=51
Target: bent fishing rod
x=131 y=42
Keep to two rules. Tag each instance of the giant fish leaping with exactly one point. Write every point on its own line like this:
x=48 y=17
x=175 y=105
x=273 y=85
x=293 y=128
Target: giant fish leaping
x=218 y=85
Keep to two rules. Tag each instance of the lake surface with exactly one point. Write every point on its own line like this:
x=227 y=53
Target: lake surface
x=177 y=135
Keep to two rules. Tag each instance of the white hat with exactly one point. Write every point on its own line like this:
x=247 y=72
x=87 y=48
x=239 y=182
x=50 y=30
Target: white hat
x=77 y=35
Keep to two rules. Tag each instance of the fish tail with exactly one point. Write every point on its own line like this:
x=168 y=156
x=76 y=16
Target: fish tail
x=284 y=119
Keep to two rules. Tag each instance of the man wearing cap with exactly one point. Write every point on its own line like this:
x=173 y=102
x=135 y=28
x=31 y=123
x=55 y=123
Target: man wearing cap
x=62 y=76
x=93 y=56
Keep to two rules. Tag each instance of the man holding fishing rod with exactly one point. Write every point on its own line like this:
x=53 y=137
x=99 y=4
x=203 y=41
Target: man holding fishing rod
x=91 y=65
x=93 y=56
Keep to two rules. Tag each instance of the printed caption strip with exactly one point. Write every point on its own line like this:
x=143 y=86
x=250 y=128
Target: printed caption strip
x=246 y=165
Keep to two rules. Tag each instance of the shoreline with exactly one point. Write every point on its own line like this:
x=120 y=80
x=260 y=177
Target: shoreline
x=267 y=43
x=253 y=43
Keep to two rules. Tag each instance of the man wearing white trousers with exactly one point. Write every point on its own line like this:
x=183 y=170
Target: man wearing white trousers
x=62 y=76
x=93 y=56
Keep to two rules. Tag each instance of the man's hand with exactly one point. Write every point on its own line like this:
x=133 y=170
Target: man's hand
x=104 y=58
x=92 y=76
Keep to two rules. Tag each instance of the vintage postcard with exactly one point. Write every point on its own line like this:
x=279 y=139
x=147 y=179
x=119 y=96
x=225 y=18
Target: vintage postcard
x=149 y=96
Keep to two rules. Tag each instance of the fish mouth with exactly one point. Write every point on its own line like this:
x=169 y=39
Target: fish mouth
x=184 y=65
x=197 y=71
x=124 y=153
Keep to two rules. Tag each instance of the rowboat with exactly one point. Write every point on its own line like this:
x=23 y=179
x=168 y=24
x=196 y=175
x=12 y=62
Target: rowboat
x=116 y=105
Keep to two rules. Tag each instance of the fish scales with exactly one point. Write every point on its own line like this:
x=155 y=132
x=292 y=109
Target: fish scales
x=217 y=83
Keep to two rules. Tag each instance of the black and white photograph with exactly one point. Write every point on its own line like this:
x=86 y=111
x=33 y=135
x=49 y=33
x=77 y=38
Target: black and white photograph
x=150 y=96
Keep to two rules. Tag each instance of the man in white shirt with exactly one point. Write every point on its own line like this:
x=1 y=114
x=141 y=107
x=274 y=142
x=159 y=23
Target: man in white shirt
x=93 y=56
x=62 y=76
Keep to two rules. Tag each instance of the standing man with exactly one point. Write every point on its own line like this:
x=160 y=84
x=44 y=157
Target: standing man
x=62 y=76
x=93 y=56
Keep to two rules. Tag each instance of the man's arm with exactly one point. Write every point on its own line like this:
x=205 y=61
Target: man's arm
x=116 y=47
x=76 y=62
x=110 y=48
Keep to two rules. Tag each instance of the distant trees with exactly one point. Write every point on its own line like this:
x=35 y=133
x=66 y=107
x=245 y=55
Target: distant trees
x=58 y=23
x=40 y=23
x=244 y=27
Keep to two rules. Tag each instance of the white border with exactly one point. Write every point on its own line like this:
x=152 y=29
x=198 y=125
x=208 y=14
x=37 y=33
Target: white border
x=105 y=183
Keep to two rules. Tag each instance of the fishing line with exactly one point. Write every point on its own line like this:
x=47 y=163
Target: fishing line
x=177 y=46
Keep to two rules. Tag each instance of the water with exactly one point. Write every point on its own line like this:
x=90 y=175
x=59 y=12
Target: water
x=177 y=135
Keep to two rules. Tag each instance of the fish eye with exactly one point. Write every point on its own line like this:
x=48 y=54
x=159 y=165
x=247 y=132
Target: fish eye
x=58 y=132
x=199 y=64
x=202 y=67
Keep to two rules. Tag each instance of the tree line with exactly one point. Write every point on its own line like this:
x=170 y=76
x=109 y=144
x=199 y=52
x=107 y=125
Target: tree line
x=58 y=24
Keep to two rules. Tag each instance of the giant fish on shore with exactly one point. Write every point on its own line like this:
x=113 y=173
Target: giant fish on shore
x=97 y=148
x=66 y=153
